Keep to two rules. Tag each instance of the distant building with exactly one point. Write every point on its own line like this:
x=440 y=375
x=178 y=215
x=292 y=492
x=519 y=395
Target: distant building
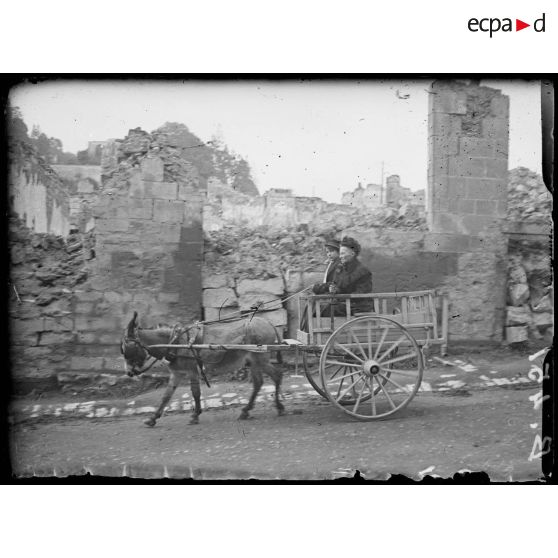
x=394 y=195
x=369 y=197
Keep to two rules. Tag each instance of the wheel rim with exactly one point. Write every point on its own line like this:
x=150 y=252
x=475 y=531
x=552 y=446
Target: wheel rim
x=379 y=367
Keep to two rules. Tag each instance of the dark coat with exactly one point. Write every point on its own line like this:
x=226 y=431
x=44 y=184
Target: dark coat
x=353 y=278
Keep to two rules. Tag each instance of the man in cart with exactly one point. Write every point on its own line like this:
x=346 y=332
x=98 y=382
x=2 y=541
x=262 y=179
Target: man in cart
x=349 y=277
x=345 y=274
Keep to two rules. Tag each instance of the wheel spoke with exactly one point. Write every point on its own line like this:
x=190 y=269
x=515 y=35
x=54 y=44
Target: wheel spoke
x=387 y=395
x=349 y=352
x=359 y=397
x=399 y=359
x=388 y=379
x=350 y=374
x=382 y=339
x=346 y=364
x=369 y=331
x=358 y=343
x=396 y=344
x=347 y=390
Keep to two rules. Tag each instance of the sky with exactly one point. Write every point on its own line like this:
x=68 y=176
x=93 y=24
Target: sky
x=316 y=137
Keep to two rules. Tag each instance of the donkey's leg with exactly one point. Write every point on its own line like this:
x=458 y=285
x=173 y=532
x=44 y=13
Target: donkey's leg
x=277 y=376
x=196 y=393
x=257 y=381
x=171 y=386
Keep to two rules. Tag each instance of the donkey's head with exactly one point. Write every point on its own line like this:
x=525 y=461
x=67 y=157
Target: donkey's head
x=135 y=353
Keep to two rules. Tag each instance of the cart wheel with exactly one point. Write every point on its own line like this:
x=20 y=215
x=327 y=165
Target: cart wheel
x=312 y=373
x=371 y=367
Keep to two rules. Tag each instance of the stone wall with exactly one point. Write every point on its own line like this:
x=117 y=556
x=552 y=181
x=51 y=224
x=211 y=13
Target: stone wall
x=37 y=195
x=83 y=184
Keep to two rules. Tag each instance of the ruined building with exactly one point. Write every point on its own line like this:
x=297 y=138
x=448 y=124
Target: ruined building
x=157 y=228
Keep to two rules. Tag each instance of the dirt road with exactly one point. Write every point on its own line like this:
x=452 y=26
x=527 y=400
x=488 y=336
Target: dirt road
x=492 y=431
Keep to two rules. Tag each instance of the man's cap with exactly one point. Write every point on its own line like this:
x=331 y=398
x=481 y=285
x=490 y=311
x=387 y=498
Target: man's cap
x=351 y=243
x=332 y=244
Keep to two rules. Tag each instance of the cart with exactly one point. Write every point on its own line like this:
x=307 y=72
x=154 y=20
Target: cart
x=369 y=363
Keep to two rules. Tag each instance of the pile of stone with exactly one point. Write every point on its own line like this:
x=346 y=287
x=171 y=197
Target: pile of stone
x=529 y=201
x=260 y=253
x=529 y=311
x=44 y=268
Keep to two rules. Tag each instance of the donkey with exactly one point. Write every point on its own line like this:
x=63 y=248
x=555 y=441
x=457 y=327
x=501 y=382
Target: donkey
x=135 y=347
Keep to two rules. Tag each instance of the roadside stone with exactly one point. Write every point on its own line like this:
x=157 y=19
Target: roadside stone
x=518 y=315
x=516 y=334
x=543 y=305
x=518 y=294
x=543 y=319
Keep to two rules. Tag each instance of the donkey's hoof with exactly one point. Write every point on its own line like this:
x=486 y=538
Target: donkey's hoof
x=149 y=421
x=244 y=415
x=194 y=420
x=280 y=412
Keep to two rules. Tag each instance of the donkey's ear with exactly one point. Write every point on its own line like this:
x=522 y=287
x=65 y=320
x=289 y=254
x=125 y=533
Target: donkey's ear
x=133 y=324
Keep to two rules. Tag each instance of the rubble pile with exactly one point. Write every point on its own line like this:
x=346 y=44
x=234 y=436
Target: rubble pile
x=529 y=201
x=45 y=268
x=183 y=154
x=260 y=253
x=529 y=311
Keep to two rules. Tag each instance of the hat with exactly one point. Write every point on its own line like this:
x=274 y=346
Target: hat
x=332 y=244
x=351 y=243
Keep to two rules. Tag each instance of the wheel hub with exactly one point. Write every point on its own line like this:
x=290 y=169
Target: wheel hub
x=371 y=367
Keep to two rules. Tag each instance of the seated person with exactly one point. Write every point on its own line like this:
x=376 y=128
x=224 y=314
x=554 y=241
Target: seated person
x=332 y=254
x=350 y=277
x=332 y=260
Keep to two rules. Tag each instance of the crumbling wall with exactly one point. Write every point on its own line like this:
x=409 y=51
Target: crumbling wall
x=36 y=193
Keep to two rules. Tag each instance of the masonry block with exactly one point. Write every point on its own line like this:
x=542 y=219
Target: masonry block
x=497 y=168
x=475 y=147
x=84 y=307
x=169 y=232
x=467 y=167
x=484 y=189
x=140 y=209
x=271 y=286
x=502 y=208
x=88 y=296
x=58 y=325
x=501 y=148
x=213 y=314
x=500 y=106
x=485 y=207
x=444 y=145
x=444 y=242
x=266 y=301
x=160 y=190
x=86 y=363
x=215 y=281
x=117 y=297
x=217 y=298
x=168 y=297
x=440 y=164
x=168 y=211
x=51 y=338
x=188 y=192
x=104 y=225
x=152 y=169
x=447 y=222
x=192 y=214
x=440 y=124
x=136 y=185
x=465 y=206
x=476 y=223
x=450 y=102
x=276 y=317
x=495 y=127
